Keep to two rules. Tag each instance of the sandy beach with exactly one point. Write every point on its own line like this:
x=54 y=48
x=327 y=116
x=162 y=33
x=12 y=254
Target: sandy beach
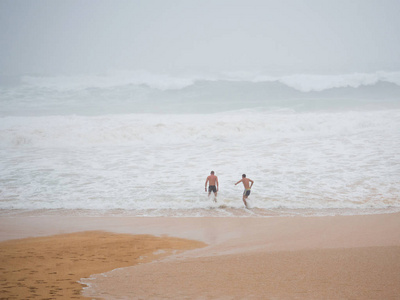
x=338 y=257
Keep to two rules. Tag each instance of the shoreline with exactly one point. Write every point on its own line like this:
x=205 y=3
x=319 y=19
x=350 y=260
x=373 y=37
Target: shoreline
x=217 y=211
x=248 y=246
x=332 y=273
x=220 y=230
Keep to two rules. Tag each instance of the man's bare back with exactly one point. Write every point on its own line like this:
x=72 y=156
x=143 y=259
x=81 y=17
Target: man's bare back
x=247 y=183
x=212 y=179
x=213 y=185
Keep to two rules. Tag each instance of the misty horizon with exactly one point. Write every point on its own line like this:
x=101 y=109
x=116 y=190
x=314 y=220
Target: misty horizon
x=88 y=37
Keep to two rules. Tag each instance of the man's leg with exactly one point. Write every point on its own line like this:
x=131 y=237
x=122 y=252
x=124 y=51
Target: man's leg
x=244 y=200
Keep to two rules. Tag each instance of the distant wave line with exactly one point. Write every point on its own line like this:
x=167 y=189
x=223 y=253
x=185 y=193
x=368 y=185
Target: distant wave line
x=301 y=82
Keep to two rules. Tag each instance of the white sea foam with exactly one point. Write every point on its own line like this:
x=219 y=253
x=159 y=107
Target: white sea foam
x=157 y=164
x=143 y=143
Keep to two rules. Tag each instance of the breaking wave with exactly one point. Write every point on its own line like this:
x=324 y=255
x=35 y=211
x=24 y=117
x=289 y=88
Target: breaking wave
x=142 y=92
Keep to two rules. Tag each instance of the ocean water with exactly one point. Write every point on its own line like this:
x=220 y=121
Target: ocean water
x=143 y=144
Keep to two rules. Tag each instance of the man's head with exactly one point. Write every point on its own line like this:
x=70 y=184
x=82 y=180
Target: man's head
x=212 y=172
x=244 y=176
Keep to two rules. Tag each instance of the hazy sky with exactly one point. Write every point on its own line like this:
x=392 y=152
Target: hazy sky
x=88 y=36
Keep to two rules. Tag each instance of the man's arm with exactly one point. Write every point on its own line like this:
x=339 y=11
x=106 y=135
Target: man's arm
x=251 y=182
x=239 y=181
x=205 y=187
x=216 y=181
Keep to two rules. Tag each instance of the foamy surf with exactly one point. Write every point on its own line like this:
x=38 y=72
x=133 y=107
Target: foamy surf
x=62 y=149
x=153 y=163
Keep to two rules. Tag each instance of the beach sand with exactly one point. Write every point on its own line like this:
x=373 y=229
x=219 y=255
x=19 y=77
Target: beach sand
x=50 y=267
x=340 y=257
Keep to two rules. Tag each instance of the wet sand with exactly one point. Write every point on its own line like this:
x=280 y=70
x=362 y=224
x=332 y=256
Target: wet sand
x=355 y=257
x=50 y=267
x=353 y=273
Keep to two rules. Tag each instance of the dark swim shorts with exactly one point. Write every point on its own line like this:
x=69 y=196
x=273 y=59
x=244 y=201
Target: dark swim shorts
x=246 y=193
x=212 y=188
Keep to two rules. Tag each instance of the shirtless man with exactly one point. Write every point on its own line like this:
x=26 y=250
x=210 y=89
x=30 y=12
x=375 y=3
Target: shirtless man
x=248 y=183
x=213 y=185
